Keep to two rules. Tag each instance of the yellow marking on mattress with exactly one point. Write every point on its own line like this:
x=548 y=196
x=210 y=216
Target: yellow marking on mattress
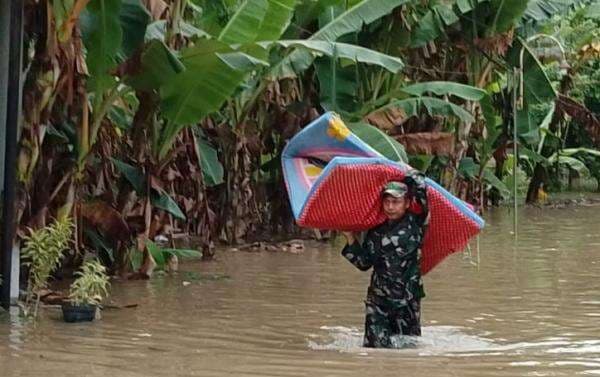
x=312 y=170
x=337 y=129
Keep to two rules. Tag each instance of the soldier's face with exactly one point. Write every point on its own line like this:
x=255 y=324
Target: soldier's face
x=395 y=208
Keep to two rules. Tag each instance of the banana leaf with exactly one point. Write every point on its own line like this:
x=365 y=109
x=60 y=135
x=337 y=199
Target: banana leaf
x=380 y=141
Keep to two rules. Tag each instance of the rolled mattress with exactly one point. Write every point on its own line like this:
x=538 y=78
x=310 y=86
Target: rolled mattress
x=334 y=181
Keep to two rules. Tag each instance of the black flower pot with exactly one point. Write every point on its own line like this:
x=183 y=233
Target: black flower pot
x=78 y=313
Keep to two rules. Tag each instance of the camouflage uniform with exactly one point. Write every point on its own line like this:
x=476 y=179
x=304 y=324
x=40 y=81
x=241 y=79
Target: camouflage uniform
x=393 y=249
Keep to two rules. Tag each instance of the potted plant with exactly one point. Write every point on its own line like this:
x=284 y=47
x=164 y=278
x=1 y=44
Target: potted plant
x=86 y=293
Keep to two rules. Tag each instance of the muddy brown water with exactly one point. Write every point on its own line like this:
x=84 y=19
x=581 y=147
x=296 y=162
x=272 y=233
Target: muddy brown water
x=524 y=308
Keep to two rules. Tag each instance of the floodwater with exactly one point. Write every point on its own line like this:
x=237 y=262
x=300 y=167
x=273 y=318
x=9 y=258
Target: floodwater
x=529 y=307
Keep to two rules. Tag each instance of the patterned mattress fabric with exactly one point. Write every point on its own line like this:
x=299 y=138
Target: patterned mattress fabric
x=334 y=181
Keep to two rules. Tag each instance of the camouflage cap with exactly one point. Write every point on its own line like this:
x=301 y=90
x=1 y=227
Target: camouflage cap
x=395 y=189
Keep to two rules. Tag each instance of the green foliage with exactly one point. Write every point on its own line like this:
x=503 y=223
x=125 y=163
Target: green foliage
x=164 y=201
x=258 y=20
x=245 y=23
x=103 y=37
x=574 y=159
x=494 y=182
x=412 y=100
x=575 y=30
x=363 y=13
x=433 y=106
x=471 y=170
x=91 y=285
x=544 y=10
x=468 y=168
x=421 y=162
x=509 y=178
x=212 y=170
x=210 y=15
x=161 y=254
x=132 y=174
x=338 y=86
x=213 y=72
x=507 y=14
x=276 y=20
x=586 y=88
x=379 y=141
x=134 y=19
x=351 y=53
x=580 y=30
x=349 y=21
x=431 y=19
x=537 y=86
x=246 y=64
x=462 y=91
x=158 y=31
x=214 y=69
x=43 y=249
x=338 y=83
x=442 y=88
x=135 y=258
x=158 y=66
x=100 y=245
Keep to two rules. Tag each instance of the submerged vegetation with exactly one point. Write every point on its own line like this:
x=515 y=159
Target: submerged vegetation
x=153 y=117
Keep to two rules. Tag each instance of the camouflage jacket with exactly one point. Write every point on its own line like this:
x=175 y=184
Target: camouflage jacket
x=393 y=249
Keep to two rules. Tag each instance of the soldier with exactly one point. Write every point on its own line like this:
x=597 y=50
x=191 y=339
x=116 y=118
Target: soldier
x=393 y=249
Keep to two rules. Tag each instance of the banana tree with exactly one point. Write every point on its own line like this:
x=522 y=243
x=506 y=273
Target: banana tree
x=293 y=58
x=197 y=81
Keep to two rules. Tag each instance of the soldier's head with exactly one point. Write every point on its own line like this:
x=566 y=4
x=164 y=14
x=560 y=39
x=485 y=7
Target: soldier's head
x=395 y=200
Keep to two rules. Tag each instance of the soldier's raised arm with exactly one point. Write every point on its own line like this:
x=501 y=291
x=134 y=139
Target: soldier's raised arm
x=415 y=180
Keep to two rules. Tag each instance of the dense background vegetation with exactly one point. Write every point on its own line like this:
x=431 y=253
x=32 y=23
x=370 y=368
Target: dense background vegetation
x=168 y=117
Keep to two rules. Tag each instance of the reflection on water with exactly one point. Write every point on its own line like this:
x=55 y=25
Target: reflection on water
x=526 y=308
